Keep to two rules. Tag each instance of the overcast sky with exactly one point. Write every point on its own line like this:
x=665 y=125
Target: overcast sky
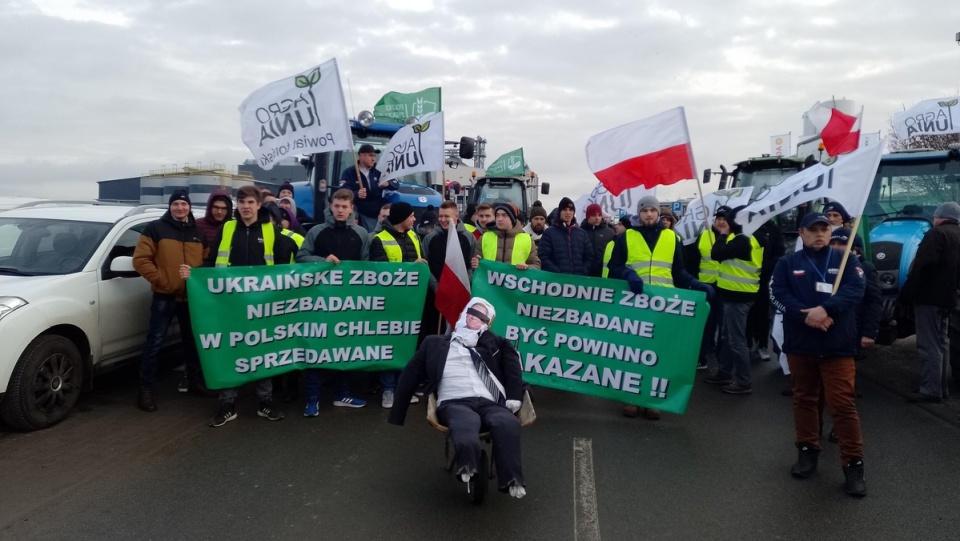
x=101 y=89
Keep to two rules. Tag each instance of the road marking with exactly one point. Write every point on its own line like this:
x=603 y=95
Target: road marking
x=586 y=522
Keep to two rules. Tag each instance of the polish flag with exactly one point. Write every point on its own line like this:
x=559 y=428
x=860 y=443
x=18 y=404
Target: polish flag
x=839 y=131
x=649 y=152
x=453 y=291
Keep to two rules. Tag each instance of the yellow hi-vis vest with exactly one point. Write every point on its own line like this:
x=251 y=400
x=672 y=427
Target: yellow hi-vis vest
x=739 y=274
x=229 y=228
x=607 y=252
x=392 y=248
x=709 y=269
x=297 y=237
x=469 y=228
x=654 y=267
x=522 y=246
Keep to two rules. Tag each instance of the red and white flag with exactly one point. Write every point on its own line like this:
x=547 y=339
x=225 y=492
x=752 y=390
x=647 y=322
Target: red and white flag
x=839 y=131
x=649 y=152
x=453 y=291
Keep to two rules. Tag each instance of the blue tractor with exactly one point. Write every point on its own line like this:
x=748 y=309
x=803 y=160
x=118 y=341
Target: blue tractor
x=420 y=190
x=907 y=189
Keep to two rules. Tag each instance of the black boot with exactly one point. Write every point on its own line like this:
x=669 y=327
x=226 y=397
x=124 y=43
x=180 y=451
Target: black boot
x=806 y=461
x=145 y=401
x=855 y=485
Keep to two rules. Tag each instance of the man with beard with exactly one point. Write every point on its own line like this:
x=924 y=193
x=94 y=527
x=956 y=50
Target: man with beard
x=600 y=235
x=537 y=223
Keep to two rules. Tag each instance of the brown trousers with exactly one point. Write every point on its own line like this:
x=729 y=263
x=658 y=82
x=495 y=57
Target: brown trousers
x=836 y=377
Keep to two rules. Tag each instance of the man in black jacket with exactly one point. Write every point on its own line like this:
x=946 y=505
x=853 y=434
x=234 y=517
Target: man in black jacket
x=364 y=181
x=931 y=287
x=250 y=240
x=477 y=378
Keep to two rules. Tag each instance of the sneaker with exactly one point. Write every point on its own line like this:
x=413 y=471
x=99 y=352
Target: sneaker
x=226 y=414
x=701 y=365
x=414 y=399
x=184 y=385
x=764 y=355
x=737 y=388
x=855 y=485
x=268 y=412
x=349 y=401
x=313 y=407
x=718 y=378
x=806 y=462
x=387 y=400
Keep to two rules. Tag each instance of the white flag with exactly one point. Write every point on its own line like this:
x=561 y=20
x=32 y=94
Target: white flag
x=846 y=180
x=695 y=219
x=616 y=206
x=302 y=114
x=414 y=148
x=780 y=145
x=930 y=117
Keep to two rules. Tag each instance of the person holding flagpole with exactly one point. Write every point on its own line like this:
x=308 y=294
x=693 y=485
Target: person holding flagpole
x=435 y=246
x=363 y=179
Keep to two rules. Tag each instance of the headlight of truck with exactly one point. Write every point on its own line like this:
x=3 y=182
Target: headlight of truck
x=9 y=304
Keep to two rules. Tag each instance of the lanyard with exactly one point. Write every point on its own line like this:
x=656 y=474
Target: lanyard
x=826 y=267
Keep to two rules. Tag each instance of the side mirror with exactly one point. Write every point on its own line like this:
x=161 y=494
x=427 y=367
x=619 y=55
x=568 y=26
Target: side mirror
x=706 y=175
x=466 y=147
x=545 y=188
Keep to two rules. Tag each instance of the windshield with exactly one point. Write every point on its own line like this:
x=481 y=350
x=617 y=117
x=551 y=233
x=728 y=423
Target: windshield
x=495 y=192
x=345 y=160
x=912 y=188
x=31 y=247
x=763 y=178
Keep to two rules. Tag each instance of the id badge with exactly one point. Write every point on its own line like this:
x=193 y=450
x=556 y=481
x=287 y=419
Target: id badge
x=824 y=287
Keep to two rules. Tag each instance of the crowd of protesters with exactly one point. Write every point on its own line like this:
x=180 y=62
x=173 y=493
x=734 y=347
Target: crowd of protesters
x=819 y=330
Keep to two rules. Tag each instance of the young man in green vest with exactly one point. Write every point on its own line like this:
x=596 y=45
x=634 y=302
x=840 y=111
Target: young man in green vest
x=741 y=258
x=506 y=242
x=396 y=243
x=250 y=240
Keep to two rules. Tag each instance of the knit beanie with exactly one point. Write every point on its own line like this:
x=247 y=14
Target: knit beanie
x=566 y=203
x=594 y=209
x=948 y=211
x=648 y=201
x=179 y=195
x=509 y=209
x=537 y=210
x=399 y=212
x=285 y=186
x=833 y=206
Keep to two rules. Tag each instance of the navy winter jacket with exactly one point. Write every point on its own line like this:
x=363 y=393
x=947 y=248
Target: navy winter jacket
x=566 y=249
x=794 y=288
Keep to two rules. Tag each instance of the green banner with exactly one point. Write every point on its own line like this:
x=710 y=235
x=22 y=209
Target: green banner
x=593 y=336
x=396 y=108
x=507 y=165
x=257 y=322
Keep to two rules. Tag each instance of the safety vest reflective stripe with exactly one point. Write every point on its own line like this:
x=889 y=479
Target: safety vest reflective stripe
x=469 y=228
x=226 y=241
x=392 y=248
x=739 y=274
x=654 y=267
x=297 y=237
x=522 y=246
x=709 y=269
x=607 y=252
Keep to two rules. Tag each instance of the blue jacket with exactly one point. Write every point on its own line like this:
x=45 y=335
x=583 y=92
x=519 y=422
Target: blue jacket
x=566 y=249
x=369 y=207
x=794 y=288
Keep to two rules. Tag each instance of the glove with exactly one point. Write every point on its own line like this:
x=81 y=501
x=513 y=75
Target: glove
x=636 y=283
x=513 y=405
x=709 y=290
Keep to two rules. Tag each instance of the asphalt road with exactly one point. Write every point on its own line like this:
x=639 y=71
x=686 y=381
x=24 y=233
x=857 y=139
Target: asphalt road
x=720 y=471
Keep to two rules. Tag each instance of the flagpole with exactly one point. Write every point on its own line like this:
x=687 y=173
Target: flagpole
x=846 y=254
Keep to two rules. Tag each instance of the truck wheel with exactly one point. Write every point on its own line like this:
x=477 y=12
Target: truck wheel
x=44 y=385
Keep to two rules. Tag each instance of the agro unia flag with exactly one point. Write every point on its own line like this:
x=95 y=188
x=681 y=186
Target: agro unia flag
x=414 y=148
x=847 y=180
x=696 y=219
x=510 y=163
x=929 y=117
x=302 y=114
